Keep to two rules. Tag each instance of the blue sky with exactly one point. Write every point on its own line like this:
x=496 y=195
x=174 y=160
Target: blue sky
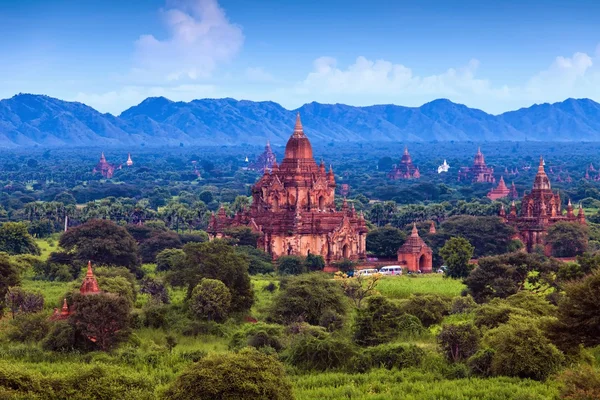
x=493 y=55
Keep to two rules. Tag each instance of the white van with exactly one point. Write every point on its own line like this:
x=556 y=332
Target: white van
x=391 y=270
x=366 y=272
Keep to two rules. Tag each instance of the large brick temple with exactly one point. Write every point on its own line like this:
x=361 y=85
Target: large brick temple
x=293 y=209
x=479 y=172
x=540 y=209
x=406 y=169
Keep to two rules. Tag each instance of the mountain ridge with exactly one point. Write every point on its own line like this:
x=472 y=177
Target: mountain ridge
x=39 y=120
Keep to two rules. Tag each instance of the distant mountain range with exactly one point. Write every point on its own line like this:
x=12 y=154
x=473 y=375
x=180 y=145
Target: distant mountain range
x=29 y=120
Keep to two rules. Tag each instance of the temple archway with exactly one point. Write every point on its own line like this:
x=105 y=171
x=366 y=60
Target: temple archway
x=275 y=203
x=422 y=262
x=346 y=251
x=321 y=202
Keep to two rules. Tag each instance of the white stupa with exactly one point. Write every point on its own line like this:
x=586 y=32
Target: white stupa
x=443 y=168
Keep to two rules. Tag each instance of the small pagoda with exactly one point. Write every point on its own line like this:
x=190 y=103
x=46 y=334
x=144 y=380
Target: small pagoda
x=88 y=286
x=105 y=168
x=265 y=161
x=479 y=172
x=414 y=254
x=499 y=191
x=129 y=162
x=406 y=169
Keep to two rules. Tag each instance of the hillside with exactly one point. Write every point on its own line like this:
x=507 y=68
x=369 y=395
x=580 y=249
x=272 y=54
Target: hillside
x=28 y=120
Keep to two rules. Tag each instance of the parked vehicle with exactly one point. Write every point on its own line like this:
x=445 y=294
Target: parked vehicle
x=391 y=270
x=442 y=269
x=366 y=272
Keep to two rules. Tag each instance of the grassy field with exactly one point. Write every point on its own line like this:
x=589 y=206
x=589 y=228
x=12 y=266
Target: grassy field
x=143 y=367
x=401 y=287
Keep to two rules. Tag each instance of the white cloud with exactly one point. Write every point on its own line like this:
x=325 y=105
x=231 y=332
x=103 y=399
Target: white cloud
x=199 y=38
x=369 y=82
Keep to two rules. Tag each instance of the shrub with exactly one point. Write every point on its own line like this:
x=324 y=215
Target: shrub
x=166 y=259
x=320 y=353
x=195 y=328
x=462 y=304
x=157 y=290
x=271 y=287
x=257 y=335
x=210 y=300
x=18 y=300
x=291 y=265
x=481 y=362
x=118 y=285
x=155 y=315
x=495 y=313
x=260 y=262
x=9 y=277
x=532 y=303
x=245 y=375
x=104 y=317
x=314 y=263
x=458 y=342
x=389 y=356
x=307 y=298
x=62 y=337
x=581 y=383
x=378 y=322
x=523 y=351
x=29 y=327
x=429 y=308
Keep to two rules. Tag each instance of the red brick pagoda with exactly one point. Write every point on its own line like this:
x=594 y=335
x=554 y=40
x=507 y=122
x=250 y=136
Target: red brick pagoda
x=479 y=172
x=406 y=168
x=294 y=212
x=540 y=209
x=264 y=161
x=414 y=254
x=88 y=286
x=104 y=168
x=499 y=191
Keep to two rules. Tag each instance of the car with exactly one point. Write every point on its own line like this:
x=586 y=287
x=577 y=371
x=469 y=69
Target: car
x=391 y=270
x=366 y=272
x=442 y=269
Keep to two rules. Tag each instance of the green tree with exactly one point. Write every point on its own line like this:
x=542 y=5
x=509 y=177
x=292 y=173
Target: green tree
x=385 y=242
x=9 y=276
x=243 y=236
x=567 y=239
x=488 y=235
x=104 y=319
x=157 y=242
x=210 y=300
x=167 y=259
x=260 y=262
x=459 y=342
x=248 y=375
x=381 y=321
x=522 y=350
x=429 y=308
x=457 y=252
x=314 y=262
x=291 y=265
x=306 y=298
x=578 y=315
x=103 y=242
x=215 y=260
x=505 y=275
x=15 y=239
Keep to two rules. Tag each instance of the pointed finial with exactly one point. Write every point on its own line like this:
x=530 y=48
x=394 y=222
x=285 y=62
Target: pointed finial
x=512 y=204
x=478 y=149
x=405 y=150
x=89 y=269
x=569 y=203
x=298 y=131
x=415 y=231
x=65 y=306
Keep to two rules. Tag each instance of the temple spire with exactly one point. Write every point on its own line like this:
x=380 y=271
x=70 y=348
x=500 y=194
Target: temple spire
x=415 y=231
x=541 y=166
x=89 y=273
x=405 y=150
x=298 y=130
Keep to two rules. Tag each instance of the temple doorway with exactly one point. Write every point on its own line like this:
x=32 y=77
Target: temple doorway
x=321 y=203
x=346 y=251
x=422 y=263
